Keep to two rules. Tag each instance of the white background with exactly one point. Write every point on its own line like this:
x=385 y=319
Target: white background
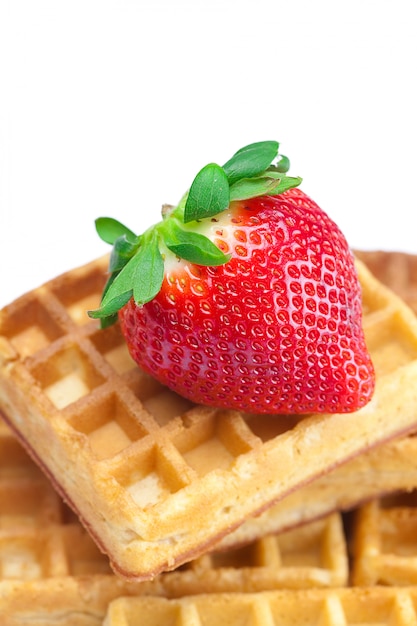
x=110 y=107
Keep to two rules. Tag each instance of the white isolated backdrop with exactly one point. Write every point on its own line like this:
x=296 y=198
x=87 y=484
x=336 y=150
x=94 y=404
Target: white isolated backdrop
x=110 y=107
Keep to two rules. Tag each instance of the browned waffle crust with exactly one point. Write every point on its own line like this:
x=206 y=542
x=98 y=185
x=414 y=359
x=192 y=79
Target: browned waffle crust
x=155 y=480
x=51 y=572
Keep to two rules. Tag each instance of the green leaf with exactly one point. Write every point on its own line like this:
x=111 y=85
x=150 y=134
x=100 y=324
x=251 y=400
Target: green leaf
x=122 y=251
x=141 y=277
x=208 y=195
x=192 y=246
x=110 y=229
x=123 y=283
x=110 y=308
x=109 y=320
x=251 y=160
x=149 y=271
x=108 y=284
x=271 y=184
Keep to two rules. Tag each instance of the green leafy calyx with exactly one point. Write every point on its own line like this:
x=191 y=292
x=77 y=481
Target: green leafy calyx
x=136 y=265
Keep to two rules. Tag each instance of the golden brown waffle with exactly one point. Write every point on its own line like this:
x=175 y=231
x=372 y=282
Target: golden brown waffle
x=375 y=606
x=50 y=566
x=59 y=571
x=156 y=480
x=385 y=541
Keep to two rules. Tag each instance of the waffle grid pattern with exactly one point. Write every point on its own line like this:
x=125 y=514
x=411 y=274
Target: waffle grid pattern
x=385 y=541
x=73 y=393
x=40 y=538
x=51 y=571
x=339 y=607
x=88 y=376
x=50 y=565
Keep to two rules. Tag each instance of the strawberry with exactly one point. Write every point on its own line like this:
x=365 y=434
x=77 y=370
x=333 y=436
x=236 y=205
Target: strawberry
x=244 y=296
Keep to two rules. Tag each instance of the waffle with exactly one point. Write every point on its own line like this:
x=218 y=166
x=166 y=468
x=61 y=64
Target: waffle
x=49 y=565
x=158 y=481
x=376 y=606
x=52 y=572
x=385 y=541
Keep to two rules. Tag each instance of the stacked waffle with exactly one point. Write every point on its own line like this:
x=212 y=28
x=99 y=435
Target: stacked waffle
x=50 y=566
x=158 y=482
x=341 y=607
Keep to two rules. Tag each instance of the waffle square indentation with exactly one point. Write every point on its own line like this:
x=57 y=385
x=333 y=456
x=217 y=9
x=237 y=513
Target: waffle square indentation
x=109 y=424
x=30 y=327
x=213 y=441
x=81 y=295
x=267 y=427
x=165 y=405
x=112 y=346
x=151 y=474
x=67 y=375
x=23 y=557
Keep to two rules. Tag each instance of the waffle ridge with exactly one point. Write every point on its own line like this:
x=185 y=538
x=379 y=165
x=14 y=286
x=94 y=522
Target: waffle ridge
x=139 y=476
x=313 y=607
x=384 y=540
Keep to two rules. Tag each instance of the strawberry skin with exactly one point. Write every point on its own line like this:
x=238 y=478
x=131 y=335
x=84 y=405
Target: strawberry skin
x=276 y=329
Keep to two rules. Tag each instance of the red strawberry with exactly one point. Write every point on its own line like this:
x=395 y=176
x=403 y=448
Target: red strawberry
x=274 y=326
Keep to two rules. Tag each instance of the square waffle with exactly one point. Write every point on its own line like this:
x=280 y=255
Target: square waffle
x=377 y=606
x=51 y=570
x=158 y=481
